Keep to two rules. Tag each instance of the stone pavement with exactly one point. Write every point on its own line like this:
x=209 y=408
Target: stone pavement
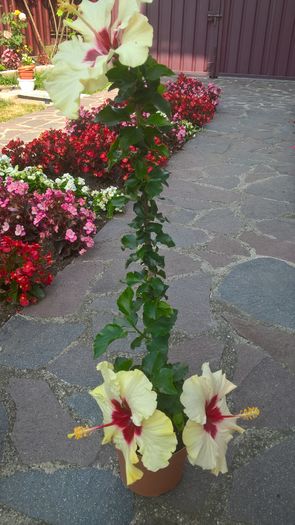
x=231 y=277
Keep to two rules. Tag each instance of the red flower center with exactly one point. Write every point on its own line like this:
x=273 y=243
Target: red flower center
x=213 y=415
x=121 y=417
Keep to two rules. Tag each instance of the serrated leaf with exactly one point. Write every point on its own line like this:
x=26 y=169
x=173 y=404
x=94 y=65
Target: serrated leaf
x=111 y=332
x=112 y=116
x=125 y=300
x=180 y=370
x=136 y=342
x=163 y=380
x=38 y=291
x=157 y=120
x=122 y=363
x=130 y=136
x=157 y=71
x=165 y=239
x=129 y=241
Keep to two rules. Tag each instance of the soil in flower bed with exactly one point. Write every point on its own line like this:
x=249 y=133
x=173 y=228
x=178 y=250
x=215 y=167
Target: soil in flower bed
x=10 y=110
x=8 y=310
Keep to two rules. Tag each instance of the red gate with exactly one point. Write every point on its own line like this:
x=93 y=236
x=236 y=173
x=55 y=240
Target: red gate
x=233 y=37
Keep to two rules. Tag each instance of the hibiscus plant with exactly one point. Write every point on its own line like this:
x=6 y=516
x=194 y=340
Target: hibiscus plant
x=149 y=408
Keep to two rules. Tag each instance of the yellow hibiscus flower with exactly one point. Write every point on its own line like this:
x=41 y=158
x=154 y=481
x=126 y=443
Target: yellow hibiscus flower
x=82 y=63
x=210 y=425
x=131 y=420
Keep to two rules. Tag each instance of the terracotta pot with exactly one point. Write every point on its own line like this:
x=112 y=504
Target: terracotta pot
x=156 y=483
x=26 y=72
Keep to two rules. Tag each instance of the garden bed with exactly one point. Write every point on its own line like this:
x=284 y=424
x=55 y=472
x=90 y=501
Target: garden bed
x=62 y=213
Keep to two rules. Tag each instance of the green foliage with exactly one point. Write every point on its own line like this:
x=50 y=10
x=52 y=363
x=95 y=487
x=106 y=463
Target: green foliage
x=144 y=310
x=8 y=80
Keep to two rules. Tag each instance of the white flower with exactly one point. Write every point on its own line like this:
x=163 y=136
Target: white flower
x=22 y=17
x=210 y=425
x=82 y=64
x=131 y=420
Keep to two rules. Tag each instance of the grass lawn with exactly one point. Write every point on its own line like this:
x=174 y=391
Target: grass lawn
x=13 y=109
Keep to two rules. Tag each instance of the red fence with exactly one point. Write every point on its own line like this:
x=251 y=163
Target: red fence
x=42 y=18
x=234 y=37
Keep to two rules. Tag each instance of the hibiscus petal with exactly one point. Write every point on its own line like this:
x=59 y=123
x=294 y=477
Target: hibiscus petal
x=111 y=383
x=219 y=385
x=71 y=75
x=202 y=449
x=137 y=390
x=96 y=16
x=157 y=441
x=138 y=31
x=126 y=9
x=136 y=40
x=129 y=452
x=194 y=397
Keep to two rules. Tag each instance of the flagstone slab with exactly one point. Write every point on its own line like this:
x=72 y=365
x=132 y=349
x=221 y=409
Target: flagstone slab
x=272 y=388
x=68 y=290
x=186 y=237
x=3 y=428
x=42 y=425
x=276 y=342
x=263 y=490
x=76 y=366
x=196 y=351
x=190 y=295
x=264 y=245
x=86 y=408
x=280 y=188
x=220 y=221
x=263 y=288
x=69 y=496
x=26 y=343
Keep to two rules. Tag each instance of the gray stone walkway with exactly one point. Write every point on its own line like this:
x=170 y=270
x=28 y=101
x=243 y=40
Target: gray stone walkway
x=230 y=203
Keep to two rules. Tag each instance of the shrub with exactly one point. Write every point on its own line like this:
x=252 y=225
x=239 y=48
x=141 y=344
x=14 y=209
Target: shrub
x=97 y=200
x=55 y=215
x=191 y=100
x=10 y=59
x=24 y=271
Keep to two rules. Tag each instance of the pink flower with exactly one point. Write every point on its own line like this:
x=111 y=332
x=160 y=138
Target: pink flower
x=5 y=227
x=70 y=235
x=19 y=230
x=89 y=227
x=17 y=187
x=69 y=208
x=88 y=241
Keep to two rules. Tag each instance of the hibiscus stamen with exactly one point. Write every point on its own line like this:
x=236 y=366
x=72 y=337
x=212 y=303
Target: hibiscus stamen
x=249 y=413
x=82 y=432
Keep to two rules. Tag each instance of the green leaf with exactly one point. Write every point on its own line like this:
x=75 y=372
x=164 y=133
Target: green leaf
x=136 y=342
x=165 y=239
x=112 y=116
x=134 y=278
x=157 y=120
x=180 y=370
x=152 y=362
x=161 y=104
x=157 y=71
x=125 y=301
x=37 y=291
x=130 y=136
x=129 y=241
x=122 y=363
x=111 y=332
x=163 y=381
